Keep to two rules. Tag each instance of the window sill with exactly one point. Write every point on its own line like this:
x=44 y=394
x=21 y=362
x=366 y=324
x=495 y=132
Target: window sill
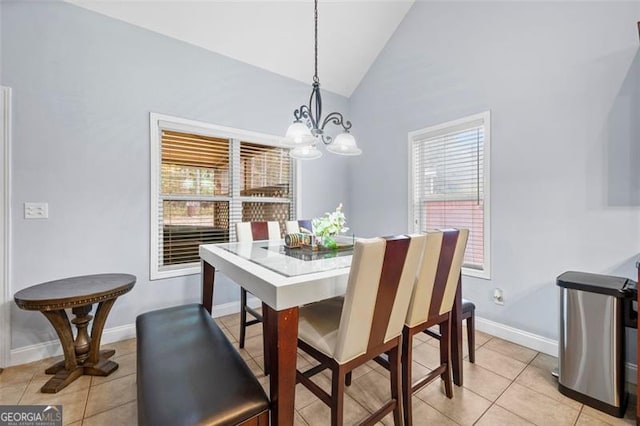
x=476 y=273
x=188 y=269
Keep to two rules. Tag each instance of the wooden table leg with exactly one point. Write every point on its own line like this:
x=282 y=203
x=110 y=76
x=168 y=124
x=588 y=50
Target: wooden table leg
x=98 y=363
x=208 y=275
x=456 y=334
x=283 y=343
x=69 y=371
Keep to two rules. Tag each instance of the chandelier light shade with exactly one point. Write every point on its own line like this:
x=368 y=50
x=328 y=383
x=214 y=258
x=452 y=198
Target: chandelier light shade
x=344 y=144
x=306 y=152
x=309 y=124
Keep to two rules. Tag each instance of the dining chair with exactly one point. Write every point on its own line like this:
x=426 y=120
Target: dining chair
x=295 y=226
x=343 y=333
x=468 y=315
x=431 y=305
x=247 y=232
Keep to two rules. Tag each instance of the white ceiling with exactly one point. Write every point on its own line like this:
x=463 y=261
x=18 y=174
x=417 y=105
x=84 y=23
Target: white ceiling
x=274 y=35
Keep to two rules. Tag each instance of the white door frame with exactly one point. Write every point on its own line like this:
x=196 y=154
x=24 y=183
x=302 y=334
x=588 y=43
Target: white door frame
x=5 y=216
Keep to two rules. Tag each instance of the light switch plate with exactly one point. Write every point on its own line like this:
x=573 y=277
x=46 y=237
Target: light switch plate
x=36 y=210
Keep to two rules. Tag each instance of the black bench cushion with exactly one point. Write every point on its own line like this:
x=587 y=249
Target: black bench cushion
x=189 y=373
x=467 y=306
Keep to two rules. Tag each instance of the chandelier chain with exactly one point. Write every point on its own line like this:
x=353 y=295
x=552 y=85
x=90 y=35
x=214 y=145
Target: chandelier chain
x=315 y=76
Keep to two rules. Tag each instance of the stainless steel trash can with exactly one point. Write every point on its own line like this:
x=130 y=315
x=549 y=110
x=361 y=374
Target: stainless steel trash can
x=591 y=347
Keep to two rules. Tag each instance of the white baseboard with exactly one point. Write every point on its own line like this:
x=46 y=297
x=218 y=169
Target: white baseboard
x=515 y=335
x=536 y=342
x=51 y=348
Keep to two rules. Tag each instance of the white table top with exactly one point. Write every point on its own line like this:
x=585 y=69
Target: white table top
x=279 y=280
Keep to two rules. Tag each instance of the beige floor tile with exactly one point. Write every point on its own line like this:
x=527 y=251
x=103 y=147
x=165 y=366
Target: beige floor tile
x=126 y=414
x=464 y=408
x=485 y=383
x=498 y=363
x=319 y=414
x=18 y=374
x=542 y=381
x=39 y=380
x=371 y=390
x=298 y=420
x=511 y=350
x=481 y=338
x=251 y=331
x=126 y=366
x=111 y=394
x=73 y=403
x=253 y=345
x=11 y=394
x=628 y=419
x=497 y=415
x=230 y=321
x=422 y=337
x=587 y=420
x=229 y=335
x=536 y=407
x=123 y=347
x=545 y=362
x=78 y=423
x=255 y=368
x=304 y=397
x=427 y=355
x=423 y=415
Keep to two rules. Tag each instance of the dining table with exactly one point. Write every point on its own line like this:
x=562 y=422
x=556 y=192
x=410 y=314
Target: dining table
x=285 y=279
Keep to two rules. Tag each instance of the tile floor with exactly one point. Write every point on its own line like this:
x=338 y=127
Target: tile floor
x=508 y=385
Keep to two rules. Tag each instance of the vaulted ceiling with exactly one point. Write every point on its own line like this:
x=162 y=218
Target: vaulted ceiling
x=274 y=35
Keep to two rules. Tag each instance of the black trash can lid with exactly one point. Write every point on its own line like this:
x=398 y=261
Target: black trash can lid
x=594 y=283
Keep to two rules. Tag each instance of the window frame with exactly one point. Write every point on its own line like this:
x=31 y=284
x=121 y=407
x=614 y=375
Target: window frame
x=159 y=122
x=413 y=136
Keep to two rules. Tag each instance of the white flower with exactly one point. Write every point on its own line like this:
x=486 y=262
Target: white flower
x=330 y=224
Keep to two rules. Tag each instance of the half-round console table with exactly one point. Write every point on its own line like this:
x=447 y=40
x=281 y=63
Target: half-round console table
x=82 y=355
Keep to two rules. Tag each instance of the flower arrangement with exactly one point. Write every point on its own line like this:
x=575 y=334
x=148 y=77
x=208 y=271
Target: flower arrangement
x=329 y=225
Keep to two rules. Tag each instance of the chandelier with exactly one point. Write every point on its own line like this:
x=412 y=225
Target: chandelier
x=308 y=127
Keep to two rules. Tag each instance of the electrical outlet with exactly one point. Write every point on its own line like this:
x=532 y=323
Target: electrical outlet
x=498 y=296
x=36 y=210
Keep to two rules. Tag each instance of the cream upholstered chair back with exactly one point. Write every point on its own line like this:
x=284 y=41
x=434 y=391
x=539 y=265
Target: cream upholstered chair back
x=256 y=231
x=378 y=293
x=296 y=226
x=438 y=275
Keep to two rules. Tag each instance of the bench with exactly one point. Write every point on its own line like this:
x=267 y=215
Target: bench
x=188 y=372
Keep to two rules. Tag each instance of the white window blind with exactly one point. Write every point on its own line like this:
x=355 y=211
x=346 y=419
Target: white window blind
x=202 y=184
x=449 y=187
x=194 y=199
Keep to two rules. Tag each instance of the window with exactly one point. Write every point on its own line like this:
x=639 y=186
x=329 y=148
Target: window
x=205 y=178
x=449 y=184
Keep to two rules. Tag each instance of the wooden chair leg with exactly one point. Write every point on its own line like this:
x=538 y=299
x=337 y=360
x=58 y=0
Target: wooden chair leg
x=445 y=356
x=347 y=379
x=265 y=340
x=337 y=396
x=396 y=387
x=471 y=337
x=243 y=316
x=407 y=359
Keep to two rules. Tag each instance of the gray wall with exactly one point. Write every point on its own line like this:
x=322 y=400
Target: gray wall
x=562 y=81
x=83 y=86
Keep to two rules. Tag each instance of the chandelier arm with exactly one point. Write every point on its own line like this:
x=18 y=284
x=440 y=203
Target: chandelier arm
x=337 y=119
x=326 y=139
